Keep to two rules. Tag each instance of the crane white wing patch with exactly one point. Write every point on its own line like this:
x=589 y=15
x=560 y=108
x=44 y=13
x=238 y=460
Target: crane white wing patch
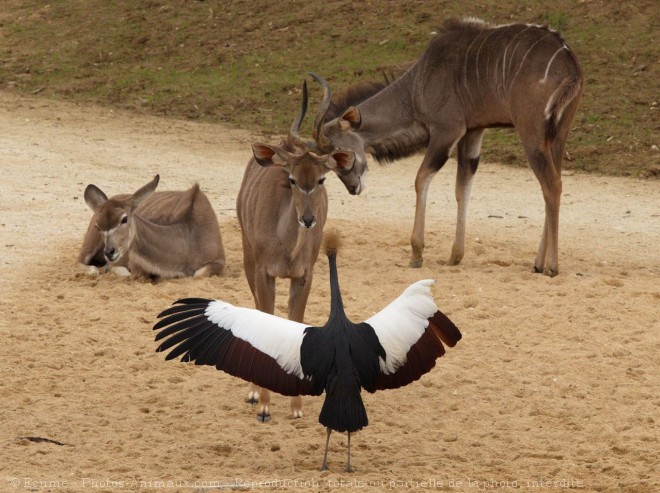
x=401 y=323
x=277 y=337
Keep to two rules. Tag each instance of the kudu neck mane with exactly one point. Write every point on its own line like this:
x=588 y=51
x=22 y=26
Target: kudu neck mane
x=465 y=24
x=352 y=96
x=389 y=127
x=403 y=141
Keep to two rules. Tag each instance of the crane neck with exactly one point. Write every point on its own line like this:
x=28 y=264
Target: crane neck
x=336 y=303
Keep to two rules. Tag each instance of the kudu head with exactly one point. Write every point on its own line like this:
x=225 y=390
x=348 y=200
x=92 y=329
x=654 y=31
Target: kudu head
x=306 y=175
x=114 y=218
x=340 y=133
x=306 y=168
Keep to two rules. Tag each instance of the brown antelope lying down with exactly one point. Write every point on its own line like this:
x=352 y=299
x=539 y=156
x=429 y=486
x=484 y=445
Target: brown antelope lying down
x=158 y=235
x=282 y=207
x=472 y=76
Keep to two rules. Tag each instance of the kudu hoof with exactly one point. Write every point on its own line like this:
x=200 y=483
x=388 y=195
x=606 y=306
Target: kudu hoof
x=416 y=263
x=547 y=271
x=263 y=417
x=456 y=256
x=252 y=397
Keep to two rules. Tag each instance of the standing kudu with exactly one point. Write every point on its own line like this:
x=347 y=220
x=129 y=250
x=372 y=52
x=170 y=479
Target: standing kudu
x=472 y=76
x=153 y=234
x=282 y=208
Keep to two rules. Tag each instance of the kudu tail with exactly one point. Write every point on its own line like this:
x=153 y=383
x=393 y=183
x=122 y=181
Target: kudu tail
x=569 y=89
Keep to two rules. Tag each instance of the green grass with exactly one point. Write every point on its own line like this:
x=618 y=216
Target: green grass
x=242 y=62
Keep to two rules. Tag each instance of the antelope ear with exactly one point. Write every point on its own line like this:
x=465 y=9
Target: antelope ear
x=351 y=119
x=341 y=161
x=145 y=191
x=94 y=197
x=267 y=155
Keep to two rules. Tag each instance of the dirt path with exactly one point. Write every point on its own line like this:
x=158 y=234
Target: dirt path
x=556 y=383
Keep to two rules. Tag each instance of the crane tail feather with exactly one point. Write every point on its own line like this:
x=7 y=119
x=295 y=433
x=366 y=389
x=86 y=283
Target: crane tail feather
x=344 y=411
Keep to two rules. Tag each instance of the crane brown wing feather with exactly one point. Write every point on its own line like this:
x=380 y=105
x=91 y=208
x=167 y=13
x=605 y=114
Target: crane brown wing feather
x=420 y=359
x=445 y=329
x=186 y=331
x=411 y=330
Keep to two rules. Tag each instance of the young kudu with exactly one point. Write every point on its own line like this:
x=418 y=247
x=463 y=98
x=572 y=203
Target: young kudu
x=159 y=235
x=472 y=76
x=282 y=208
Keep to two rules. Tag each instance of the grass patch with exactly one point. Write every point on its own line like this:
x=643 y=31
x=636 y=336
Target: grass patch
x=242 y=61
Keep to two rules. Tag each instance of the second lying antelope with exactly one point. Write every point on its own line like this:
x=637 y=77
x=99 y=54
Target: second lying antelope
x=282 y=207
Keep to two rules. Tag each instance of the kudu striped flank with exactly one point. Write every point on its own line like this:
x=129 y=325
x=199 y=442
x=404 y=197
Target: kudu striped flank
x=472 y=76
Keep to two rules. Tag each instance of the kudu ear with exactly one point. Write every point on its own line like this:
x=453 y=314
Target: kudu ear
x=341 y=161
x=267 y=155
x=94 y=197
x=351 y=119
x=145 y=191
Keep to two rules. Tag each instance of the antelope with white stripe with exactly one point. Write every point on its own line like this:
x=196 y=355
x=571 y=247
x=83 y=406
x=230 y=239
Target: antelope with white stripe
x=472 y=76
x=282 y=208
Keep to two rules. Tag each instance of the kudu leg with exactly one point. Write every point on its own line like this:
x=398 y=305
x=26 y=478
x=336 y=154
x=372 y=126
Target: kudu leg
x=265 y=300
x=253 y=394
x=422 y=182
x=298 y=295
x=249 y=266
x=547 y=257
x=435 y=158
x=469 y=150
x=264 y=405
x=214 y=268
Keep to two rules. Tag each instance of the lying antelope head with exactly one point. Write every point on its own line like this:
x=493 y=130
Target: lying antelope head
x=306 y=175
x=114 y=218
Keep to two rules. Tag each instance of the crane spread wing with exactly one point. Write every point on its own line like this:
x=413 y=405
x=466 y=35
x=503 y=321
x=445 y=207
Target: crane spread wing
x=246 y=343
x=411 y=329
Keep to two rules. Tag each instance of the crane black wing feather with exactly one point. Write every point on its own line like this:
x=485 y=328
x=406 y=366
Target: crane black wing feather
x=366 y=351
x=249 y=344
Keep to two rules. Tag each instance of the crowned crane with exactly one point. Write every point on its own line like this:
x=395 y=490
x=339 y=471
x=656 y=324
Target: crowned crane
x=391 y=349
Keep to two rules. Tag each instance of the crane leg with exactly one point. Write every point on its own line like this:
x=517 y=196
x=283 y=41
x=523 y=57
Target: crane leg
x=348 y=462
x=324 y=466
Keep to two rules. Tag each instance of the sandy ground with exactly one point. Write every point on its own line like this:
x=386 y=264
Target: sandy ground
x=555 y=384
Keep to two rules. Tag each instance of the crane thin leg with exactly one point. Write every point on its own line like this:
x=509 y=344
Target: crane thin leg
x=348 y=462
x=324 y=466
